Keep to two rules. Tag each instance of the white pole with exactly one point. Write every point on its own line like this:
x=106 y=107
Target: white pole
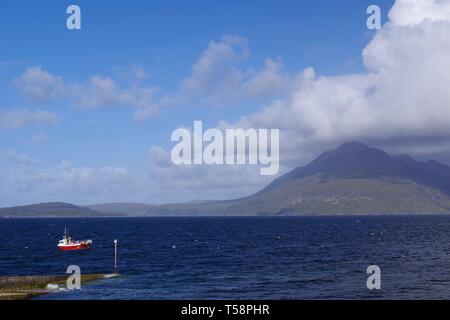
x=115 y=256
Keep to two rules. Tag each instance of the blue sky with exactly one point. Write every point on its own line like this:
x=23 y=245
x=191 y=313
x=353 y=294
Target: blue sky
x=120 y=41
x=165 y=38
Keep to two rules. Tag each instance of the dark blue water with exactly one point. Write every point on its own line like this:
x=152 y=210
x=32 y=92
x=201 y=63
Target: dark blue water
x=239 y=258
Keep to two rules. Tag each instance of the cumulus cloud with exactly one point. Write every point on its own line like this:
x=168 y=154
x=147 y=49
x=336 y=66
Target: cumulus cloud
x=216 y=73
x=101 y=92
x=219 y=78
x=98 y=92
x=401 y=102
x=414 y=12
x=14 y=119
x=39 y=85
x=267 y=81
x=403 y=95
x=406 y=75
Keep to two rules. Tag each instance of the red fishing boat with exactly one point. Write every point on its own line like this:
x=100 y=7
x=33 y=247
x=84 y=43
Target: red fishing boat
x=67 y=244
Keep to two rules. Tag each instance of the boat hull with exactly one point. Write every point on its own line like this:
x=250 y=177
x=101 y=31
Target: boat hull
x=72 y=247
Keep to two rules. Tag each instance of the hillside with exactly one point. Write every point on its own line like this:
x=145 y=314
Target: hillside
x=53 y=209
x=351 y=179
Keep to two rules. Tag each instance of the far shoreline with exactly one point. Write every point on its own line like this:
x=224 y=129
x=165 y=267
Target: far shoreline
x=237 y=216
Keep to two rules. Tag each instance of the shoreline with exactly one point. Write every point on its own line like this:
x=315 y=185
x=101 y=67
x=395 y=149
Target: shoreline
x=336 y=215
x=28 y=287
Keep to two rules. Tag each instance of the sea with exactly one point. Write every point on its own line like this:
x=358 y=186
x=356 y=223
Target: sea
x=238 y=257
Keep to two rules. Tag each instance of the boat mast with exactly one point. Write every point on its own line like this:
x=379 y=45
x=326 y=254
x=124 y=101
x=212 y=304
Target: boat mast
x=66 y=234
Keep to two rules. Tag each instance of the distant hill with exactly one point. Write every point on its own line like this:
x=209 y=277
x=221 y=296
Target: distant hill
x=53 y=209
x=124 y=208
x=351 y=179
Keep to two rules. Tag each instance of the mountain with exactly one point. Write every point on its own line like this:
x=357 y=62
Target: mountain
x=354 y=160
x=357 y=179
x=52 y=209
x=351 y=179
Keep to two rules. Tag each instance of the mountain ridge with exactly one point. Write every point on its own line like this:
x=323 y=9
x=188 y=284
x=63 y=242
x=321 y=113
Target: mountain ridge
x=350 y=179
x=51 y=209
x=357 y=160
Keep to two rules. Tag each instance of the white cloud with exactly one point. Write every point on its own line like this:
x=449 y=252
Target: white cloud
x=218 y=78
x=26 y=181
x=133 y=74
x=67 y=182
x=39 y=85
x=404 y=93
x=17 y=159
x=14 y=119
x=414 y=12
x=216 y=72
x=266 y=82
x=98 y=92
x=178 y=183
x=403 y=96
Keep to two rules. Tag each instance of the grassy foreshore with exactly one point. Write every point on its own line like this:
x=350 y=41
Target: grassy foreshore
x=27 y=287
